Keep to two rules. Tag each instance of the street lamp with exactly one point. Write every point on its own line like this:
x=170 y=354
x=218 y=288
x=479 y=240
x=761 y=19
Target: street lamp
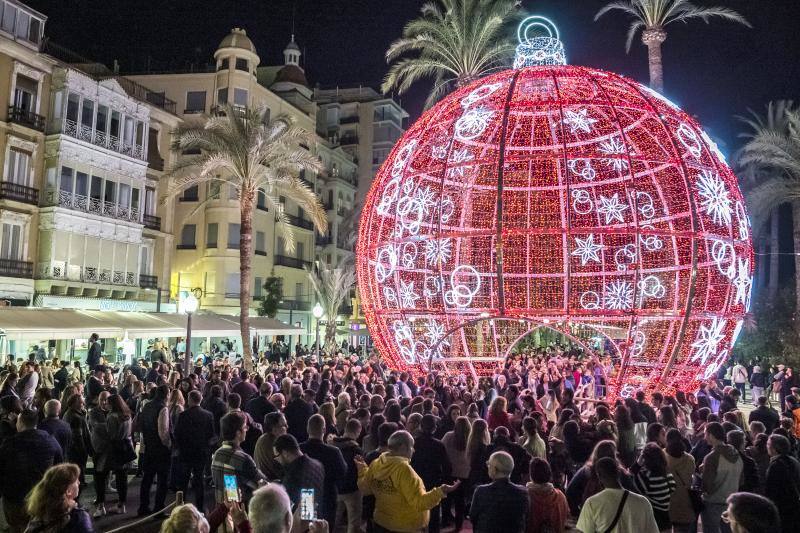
x=190 y=304
x=317 y=312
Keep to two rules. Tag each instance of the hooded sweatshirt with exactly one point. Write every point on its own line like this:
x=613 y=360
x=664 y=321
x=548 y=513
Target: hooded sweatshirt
x=401 y=502
x=722 y=470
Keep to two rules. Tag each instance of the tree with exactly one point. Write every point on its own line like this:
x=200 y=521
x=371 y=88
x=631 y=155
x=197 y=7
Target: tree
x=332 y=287
x=272 y=296
x=778 y=152
x=653 y=16
x=242 y=148
x=775 y=119
x=453 y=42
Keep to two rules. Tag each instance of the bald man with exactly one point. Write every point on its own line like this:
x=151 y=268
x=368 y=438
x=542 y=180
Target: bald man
x=501 y=505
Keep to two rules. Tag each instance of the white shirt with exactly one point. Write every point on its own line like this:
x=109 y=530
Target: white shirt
x=599 y=511
x=739 y=374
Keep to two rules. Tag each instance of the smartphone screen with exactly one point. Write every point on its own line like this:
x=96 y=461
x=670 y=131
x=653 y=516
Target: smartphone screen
x=308 y=509
x=231 y=488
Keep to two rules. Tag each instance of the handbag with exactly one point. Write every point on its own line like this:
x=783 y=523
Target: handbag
x=619 y=512
x=123 y=451
x=695 y=496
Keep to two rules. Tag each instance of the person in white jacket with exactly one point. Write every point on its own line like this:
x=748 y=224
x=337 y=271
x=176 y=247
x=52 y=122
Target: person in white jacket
x=721 y=472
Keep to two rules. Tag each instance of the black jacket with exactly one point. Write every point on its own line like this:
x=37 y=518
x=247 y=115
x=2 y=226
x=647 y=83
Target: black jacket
x=430 y=461
x=259 y=407
x=766 y=415
x=59 y=430
x=297 y=413
x=217 y=408
x=147 y=423
x=335 y=469
x=93 y=356
x=522 y=459
x=783 y=488
x=194 y=434
x=500 y=506
x=350 y=449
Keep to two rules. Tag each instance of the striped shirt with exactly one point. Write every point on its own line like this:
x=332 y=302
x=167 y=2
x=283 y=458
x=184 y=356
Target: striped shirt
x=657 y=489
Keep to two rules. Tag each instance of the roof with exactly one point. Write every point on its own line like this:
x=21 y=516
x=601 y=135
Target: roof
x=291 y=74
x=237 y=38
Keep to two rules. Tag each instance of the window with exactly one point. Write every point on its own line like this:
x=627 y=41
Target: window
x=23 y=23
x=301 y=250
x=234 y=235
x=213 y=190
x=9 y=17
x=87 y=113
x=232 y=285
x=102 y=118
x=11 y=242
x=298 y=292
x=233 y=194
x=222 y=96
x=97 y=187
x=144 y=261
x=18 y=166
x=224 y=64
x=35 y=33
x=190 y=194
x=110 y=192
x=188 y=235
x=261 y=202
x=25 y=93
x=258 y=286
x=82 y=183
x=66 y=180
x=260 y=242
x=73 y=103
x=240 y=97
x=124 y=198
x=195 y=102
x=149 y=201
x=241 y=64
x=135 y=198
x=115 y=123
x=211 y=235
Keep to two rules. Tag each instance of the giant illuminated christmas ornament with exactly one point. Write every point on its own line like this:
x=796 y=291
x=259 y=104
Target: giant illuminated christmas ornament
x=561 y=197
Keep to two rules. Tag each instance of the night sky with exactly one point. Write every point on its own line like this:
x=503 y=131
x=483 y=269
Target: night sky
x=713 y=72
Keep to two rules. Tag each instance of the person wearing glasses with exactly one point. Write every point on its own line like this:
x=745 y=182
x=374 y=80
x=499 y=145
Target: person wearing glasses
x=231 y=459
x=752 y=513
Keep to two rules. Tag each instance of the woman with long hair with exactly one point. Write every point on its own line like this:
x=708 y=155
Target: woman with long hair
x=626 y=440
x=80 y=446
x=53 y=503
x=654 y=482
x=328 y=412
x=557 y=432
x=455 y=443
x=121 y=452
x=9 y=386
x=585 y=482
x=185 y=519
x=478 y=453
x=448 y=422
x=371 y=440
x=681 y=465
x=498 y=415
x=343 y=410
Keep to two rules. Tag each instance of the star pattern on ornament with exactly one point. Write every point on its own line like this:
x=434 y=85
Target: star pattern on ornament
x=408 y=297
x=438 y=251
x=708 y=339
x=434 y=331
x=715 y=198
x=743 y=283
x=612 y=208
x=578 y=120
x=618 y=295
x=614 y=147
x=587 y=249
x=425 y=198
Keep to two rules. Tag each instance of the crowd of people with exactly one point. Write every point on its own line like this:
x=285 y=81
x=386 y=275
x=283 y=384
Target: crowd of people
x=346 y=444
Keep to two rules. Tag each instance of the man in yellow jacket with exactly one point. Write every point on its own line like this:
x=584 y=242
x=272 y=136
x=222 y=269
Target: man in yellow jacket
x=401 y=503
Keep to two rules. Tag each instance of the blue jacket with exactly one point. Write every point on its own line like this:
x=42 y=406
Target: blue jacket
x=499 y=507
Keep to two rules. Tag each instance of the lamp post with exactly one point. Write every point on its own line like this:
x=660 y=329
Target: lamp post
x=318 y=312
x=190 y=304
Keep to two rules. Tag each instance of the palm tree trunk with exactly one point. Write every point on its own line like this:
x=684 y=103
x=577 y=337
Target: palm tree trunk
x=796 y=235
x=246 y=203
x=653 y=39
x=330 y=334
x=773 y=255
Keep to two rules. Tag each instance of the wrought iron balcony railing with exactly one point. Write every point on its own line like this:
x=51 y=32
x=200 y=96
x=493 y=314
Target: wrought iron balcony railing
x=291 y=262
x=14 y=268
x=19 y=115
x=20 y=193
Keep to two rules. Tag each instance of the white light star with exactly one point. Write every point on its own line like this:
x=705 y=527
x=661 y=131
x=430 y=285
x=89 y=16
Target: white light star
x=618 y=295
x=438 y=250
x=614 y=147
x=715 y=198
x=708 y=339
x=587 y=249
x=578 y=121
x=434 y=331
x=612 y=208
x=426 y=197
x=408 y=297
x=743 y=283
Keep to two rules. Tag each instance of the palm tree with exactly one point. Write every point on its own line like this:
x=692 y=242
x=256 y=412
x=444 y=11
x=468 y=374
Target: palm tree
x=774 y=119
x=653 y=16
x=778 y=152
x=242 y=148
x=332 y=287
x=453 y=42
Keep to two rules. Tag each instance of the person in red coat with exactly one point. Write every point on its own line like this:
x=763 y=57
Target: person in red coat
x=549 y=509
x=499 y=417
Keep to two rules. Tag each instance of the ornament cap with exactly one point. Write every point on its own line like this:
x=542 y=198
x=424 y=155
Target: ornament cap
x=539 y=44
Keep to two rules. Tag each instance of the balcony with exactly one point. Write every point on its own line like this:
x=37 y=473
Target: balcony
x=148 y=282
x=61 y=270
x=19 y=193
x=294 y=305
x=102 y=139
x=95 y=206
x=13 y=268
x=300 y=222
x=291 y=262
x=152 y=222
x=348 y=139
x=186 y=247
x=24 y=117
x=352 y=119
x=262 y=253
x=323 y=240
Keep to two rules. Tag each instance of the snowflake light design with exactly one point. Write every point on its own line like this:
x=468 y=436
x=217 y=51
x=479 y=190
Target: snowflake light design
x=587 y=249
x=434 y=332
x=618 y=295
x=408 y=297
x=473 y=123
x=579 y=120
x=438 y=251
x=708 y=340
x=615 y=147
x=743 y=283
x=612 y=208
x=715 y=198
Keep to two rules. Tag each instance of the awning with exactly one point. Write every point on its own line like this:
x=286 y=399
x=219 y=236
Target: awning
x=37 y=324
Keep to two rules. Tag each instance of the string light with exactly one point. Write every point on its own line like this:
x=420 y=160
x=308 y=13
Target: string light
x=618 y=219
